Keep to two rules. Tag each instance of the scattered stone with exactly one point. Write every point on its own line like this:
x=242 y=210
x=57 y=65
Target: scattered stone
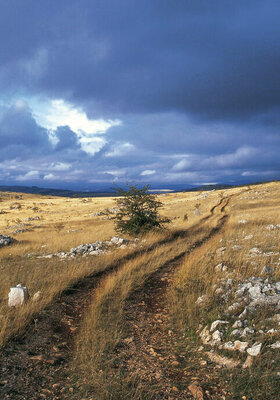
x=221 y=267
x=17 y=296
x=220 y=251
x=196 y=391
x=22 y=230
x=248 y=237
x=242 y=221
x=275 y=345
x=228 y=346
x=267 y=270
x=238 y=324
x=247 y=331
x=217 y=336
x=255 y=349
x=236 y=346
x=236 y=247
x=240 y=346
x=119 y=241
x=219 y=291
x=37 y=218
x=36 y=296
x=98 y=214
x=272 y=227
x=202 y=299
x=244 y=314
x=255 y=251
x=236 y=332
x=234 y=307
x=6 y=240
x=93 y=249
x=223 y=361
x=217 y=323
x=205 y=335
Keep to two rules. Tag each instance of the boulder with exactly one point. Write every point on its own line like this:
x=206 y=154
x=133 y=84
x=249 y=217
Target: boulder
x=17 y=296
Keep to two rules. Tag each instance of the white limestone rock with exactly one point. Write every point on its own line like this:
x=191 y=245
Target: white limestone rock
x=202 y=299
x=275 y=345
x=220 y=251
x=255 y=349
x=248 y=237
x=216 y=323
x=217 y=337
x=238 y=324
x=234 y=307
x=17 y=296
x=221 y=267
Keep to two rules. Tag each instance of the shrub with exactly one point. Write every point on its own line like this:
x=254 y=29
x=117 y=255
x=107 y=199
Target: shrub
x=138 y=211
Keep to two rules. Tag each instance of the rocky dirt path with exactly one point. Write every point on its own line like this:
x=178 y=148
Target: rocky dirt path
x=34 y=366
x=157 y=357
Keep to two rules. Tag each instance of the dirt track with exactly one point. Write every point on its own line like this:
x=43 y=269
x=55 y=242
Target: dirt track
x=154 y=355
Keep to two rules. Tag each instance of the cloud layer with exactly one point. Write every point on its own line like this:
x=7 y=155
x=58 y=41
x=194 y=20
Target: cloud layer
x=157 y=91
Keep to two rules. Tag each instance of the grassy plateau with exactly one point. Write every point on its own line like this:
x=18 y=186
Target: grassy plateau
x=127 y=324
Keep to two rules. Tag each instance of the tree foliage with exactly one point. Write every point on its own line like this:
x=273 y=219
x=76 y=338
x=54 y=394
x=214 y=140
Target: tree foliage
x=138 y=210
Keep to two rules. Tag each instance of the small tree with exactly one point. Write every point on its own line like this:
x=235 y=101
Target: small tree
x=138 y=211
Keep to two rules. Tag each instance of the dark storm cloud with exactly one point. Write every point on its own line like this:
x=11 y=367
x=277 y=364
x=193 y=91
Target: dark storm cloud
x=21 y=137
x=66 y=139
x=218 y=60
x=196 y=85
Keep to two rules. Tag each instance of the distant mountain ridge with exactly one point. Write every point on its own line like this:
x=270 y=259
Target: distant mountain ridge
x=54 y=192
x=110 y=191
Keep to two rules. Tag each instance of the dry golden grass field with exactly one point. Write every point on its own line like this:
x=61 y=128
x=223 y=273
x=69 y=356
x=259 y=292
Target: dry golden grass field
x=135 y=322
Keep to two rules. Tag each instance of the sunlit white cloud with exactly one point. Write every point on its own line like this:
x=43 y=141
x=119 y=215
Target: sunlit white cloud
x=59 y=166
x=182 y=165
x=54 y=113
x=120 y=149
x=28 y=176
x=49 y=177
x=148 y=172
x=117 y=172
x=92 y=145
x=51 y=114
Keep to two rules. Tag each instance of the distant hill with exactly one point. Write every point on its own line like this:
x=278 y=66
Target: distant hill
x=107 y=192
x=54 y=192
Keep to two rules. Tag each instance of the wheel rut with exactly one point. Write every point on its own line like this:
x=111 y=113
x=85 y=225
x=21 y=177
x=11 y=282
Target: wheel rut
x=153 y=355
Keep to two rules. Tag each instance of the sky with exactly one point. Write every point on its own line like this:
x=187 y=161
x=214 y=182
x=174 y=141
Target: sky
x=166 y=92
